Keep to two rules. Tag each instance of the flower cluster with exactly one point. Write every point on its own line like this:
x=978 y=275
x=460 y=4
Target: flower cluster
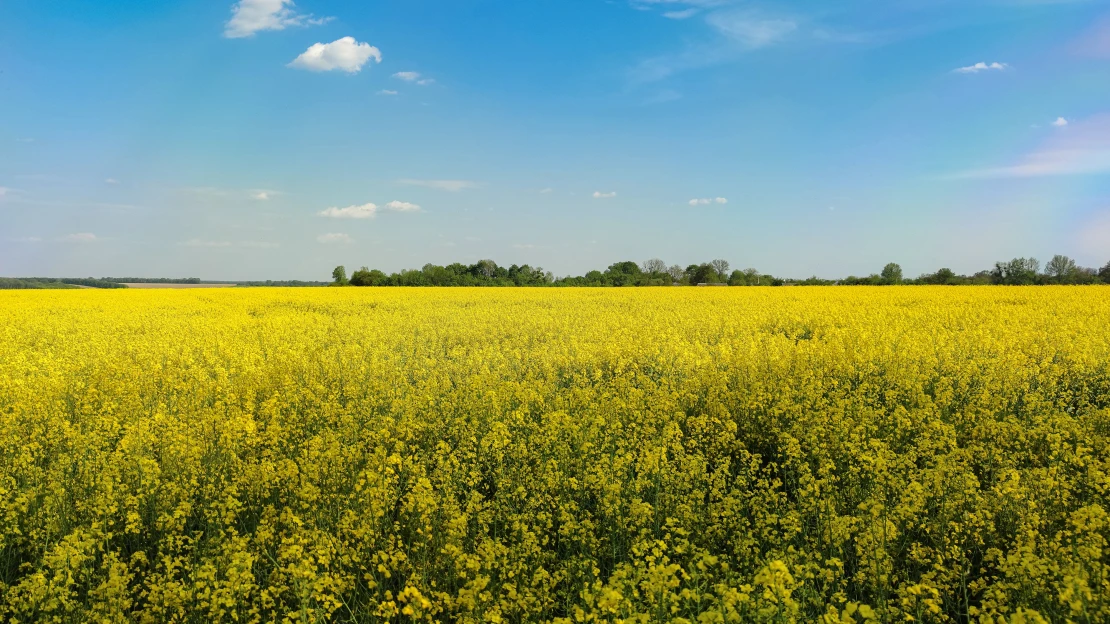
x=540 y=455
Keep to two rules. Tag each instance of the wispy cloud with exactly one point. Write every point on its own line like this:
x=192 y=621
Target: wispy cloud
x=750 y=29
x=80 y=237
x=413 y=77
x=251 y=16
x=4 y=191
x=453 y=186
x=111 y=181
x=705 y=201
x=546 y=191
x=981 y=66
x=683 y=14
x=1083 y=150
x=523 y=246
x=334 y=238
x=600 y=195
x=26 y=239
x=387 y=92
x=345 y=54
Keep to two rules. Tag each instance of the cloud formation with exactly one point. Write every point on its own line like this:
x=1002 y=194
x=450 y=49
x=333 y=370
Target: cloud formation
x=1060 y=122
x=400 y=206
x=980 y=66
x=365 y=211
x=368 y=210
x=453 y=186
x=705 y=201
x=251 y=16
x=600 y=195
x=111 y=181
x=344 y=54
x=387 y=92
x=333 y=238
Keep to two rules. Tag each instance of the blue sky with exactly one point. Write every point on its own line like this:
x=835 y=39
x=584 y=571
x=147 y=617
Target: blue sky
x=264 y=139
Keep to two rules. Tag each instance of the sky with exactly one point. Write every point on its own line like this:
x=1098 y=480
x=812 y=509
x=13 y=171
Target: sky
x=267 y=139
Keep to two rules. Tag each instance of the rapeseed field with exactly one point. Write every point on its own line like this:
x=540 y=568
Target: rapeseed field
x=915 y=454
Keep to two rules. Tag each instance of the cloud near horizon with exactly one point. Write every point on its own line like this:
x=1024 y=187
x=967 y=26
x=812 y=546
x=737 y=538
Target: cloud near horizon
x=333 y=238
x=345 y=54
x=600 y=195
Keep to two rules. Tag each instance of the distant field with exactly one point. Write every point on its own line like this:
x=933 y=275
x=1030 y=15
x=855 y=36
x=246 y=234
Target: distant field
x=149 y=285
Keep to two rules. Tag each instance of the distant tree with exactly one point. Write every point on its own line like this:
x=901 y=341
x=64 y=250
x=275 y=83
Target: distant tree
x=892 y=273
x=721 y=267
x=945 y=276
x=752 y=277
x=655 y=266
x=677 y=273
x=486 y=268
x=1016 y=272
x=339 y=275
x=737 y=278
x=705 y=274
x=1104 y=273
x=367 y=277
x=1061 y=269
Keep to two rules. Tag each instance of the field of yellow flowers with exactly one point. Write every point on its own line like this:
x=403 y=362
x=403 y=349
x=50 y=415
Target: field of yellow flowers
x=922 y=454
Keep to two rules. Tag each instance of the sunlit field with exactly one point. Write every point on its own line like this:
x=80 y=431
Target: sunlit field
x=923 y=454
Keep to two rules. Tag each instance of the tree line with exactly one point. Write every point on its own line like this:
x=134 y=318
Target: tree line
x=1019 y=271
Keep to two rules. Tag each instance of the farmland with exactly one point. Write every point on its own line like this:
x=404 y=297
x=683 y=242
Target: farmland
x=928 y=454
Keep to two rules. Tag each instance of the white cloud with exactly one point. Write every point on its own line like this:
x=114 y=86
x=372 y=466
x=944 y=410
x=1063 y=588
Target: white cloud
x=365 y=211
x=333 y=238
x=111 y=181
x=546 y=191
x=705 y=201
x=368 y=210
x=344 y=54
x=387 y=92
x=1082 y=151
x=523 y=246
x=26 y=239
x=600 y=195
x=81 y=237
x=980 y=66
x=251 y=16
x=1060 y=122
x=262 y=195
x=749 y=29
x=443 y=185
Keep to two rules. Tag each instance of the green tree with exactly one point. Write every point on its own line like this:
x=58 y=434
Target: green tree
x=339 y=275
x=721 y=267
x=1104 y=273
x=892 y=273
x=1061 y=269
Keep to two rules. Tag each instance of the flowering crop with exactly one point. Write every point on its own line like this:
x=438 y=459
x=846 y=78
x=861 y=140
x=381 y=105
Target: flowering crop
x=690 y=455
